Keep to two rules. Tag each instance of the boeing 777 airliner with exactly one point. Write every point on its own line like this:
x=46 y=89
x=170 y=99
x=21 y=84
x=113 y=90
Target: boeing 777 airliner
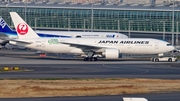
x=90 y=47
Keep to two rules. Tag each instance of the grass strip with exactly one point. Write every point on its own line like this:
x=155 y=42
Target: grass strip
x=49 y=87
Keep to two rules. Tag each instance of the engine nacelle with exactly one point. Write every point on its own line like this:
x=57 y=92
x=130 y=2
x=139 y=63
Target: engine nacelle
x=3 y=42
x=112 y=54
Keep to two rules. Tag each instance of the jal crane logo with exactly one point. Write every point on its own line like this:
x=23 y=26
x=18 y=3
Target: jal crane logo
x=22 y=28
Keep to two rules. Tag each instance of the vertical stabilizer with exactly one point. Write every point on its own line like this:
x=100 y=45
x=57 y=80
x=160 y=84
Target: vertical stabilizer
x=4 y=26
x=22 y=28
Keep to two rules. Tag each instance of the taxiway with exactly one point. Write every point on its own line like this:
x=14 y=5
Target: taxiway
x=76 y=68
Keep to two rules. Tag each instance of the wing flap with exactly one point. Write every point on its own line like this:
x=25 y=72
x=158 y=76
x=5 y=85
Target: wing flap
x=84 y=47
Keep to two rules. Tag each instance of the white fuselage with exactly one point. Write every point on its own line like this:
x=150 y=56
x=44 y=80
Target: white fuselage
x=126 y=46
x=111 y=48
x=72 y=34
x=78 y=34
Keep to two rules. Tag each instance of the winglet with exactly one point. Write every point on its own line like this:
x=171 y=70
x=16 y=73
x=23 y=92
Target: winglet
x=22 y=28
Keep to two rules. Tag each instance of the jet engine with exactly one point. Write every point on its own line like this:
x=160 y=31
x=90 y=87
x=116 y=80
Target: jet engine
x=3 y=42
x=3 y=36
x=112 y=54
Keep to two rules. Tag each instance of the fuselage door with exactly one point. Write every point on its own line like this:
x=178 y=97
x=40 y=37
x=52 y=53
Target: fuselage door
x=156 y=45
x=129 y=46
x=43 y=43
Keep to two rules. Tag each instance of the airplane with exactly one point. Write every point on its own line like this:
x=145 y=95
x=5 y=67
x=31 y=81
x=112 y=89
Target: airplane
x=6 y=31
x=91 y=47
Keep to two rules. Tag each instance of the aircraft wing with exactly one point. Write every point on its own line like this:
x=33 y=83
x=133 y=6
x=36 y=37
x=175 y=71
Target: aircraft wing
x=15 y=40
x=85 y=47
x=20 y=41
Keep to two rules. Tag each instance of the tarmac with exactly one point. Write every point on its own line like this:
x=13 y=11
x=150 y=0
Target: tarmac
x=42 y=67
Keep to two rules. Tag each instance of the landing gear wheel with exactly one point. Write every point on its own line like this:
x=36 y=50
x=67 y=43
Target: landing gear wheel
x=90 y=59
x=86 y=59
x=95 y=58
x=169 y=60
x=152 y=59
x=156 y=60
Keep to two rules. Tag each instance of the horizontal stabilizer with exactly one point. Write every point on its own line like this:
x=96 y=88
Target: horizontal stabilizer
x=15 y=40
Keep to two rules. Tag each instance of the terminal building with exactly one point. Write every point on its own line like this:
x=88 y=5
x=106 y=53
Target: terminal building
x=149 y=16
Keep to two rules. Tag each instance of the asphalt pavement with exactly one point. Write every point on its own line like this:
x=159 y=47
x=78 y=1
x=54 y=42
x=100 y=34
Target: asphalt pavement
x=76 y=68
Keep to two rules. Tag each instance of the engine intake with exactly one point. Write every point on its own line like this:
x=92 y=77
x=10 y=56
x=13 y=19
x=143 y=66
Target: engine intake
x=112 y=53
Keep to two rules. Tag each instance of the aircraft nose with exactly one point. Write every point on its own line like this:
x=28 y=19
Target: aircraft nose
x=171 y=48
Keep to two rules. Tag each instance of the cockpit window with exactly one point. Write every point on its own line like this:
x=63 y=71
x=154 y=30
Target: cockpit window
x=169 y=44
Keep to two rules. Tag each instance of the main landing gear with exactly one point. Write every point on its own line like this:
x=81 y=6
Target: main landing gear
x=90 y=57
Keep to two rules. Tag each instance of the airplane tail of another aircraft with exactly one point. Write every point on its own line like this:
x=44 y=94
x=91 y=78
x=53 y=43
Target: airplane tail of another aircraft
x=22 y=28
x=4 y=27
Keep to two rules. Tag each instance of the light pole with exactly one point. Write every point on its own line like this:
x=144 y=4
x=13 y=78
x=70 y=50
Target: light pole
x=163 y=30
x=35 y=23
x=68 y=24
x=177 y=31
x=118 y=26
x=173 y=25
x=84 y=24
x=7 y=11
x=92 y=15
x=130 y=28
x=25 y=11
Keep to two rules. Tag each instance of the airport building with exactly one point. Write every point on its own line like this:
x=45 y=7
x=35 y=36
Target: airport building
x=149 y=16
